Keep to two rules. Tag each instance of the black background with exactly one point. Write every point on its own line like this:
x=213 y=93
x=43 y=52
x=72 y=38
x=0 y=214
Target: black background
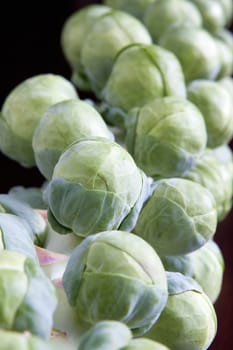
x=30 y=45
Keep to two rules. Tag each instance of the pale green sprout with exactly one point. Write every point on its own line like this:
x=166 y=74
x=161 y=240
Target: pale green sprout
x=161 y=15
x=27 y=297
x=136 y=8
x=22 y=110
x=33 y=196
x=62 y=124
x=216 y=14
x=188 y=320
x=215 y=104
x=196 y=50
x=205 y=265
x=166 y=137
x=140 y=74
x=178 y=218
x=217 y=177
x=116 y=275
x=92 y=37
x=96 y=186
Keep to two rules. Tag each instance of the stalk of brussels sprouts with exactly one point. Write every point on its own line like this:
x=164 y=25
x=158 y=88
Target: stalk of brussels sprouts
x=28 y=298
x=166 y=136
x=22 y=110
x=140 y=74
x=215 y=103
x=92 y=37
x=205 y=265
x=178 y=218
x=96 y=186
x=196 y=50
x=161 y=15
x=62 y=124
x=188 y=321
x=217 y=177
x=116 y=275
x=15 y=235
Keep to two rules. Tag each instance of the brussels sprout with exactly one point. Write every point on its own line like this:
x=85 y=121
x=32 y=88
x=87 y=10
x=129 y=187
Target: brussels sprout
x=114 y=335
x=178 y=218
x=226 y=59
x=108 y=36
x=22 y=341
x=161 y=15
x=216 y=14
x=136 y=8
x=92 y=37
x=36 y=225
x=16 y=235
x=217 y=178
x=28 y=298
x=224 y=155
x=116 y=275
x=96 y=186
x=208 y=268
x=188 y=321
x=142 y=73
x=166 y=136
x=205 y=265
x=22 y=110
x=73 y=37
x=62 y=124
x=196 y=50
x=33 y=196
x=215 y=104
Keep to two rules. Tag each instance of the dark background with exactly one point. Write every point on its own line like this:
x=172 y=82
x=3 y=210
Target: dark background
x=30 y=45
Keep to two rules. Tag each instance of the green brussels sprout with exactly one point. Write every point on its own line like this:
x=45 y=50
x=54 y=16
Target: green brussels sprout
x=116 y=275
x=36 y=224
x=188 y=320
x=62 y=124
x=140 y=74
x=196 y=50
x=226 y=59
x=92 y=37
x=224 y=155
x=161 y=15
x=27 y=297
x=208 y=269
x=73 y=36
x=215 y=104
x=33 y=196
x=136 y=8
x=96 y=186
x=216 y=14
x=217 y=178
x=178 y=218
x=166 y=136
x=205 y=265
x=109 y=35
x=16 y=235
x=226 y=36
x=115 y=335
x=22 y=341
x=22 y=110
